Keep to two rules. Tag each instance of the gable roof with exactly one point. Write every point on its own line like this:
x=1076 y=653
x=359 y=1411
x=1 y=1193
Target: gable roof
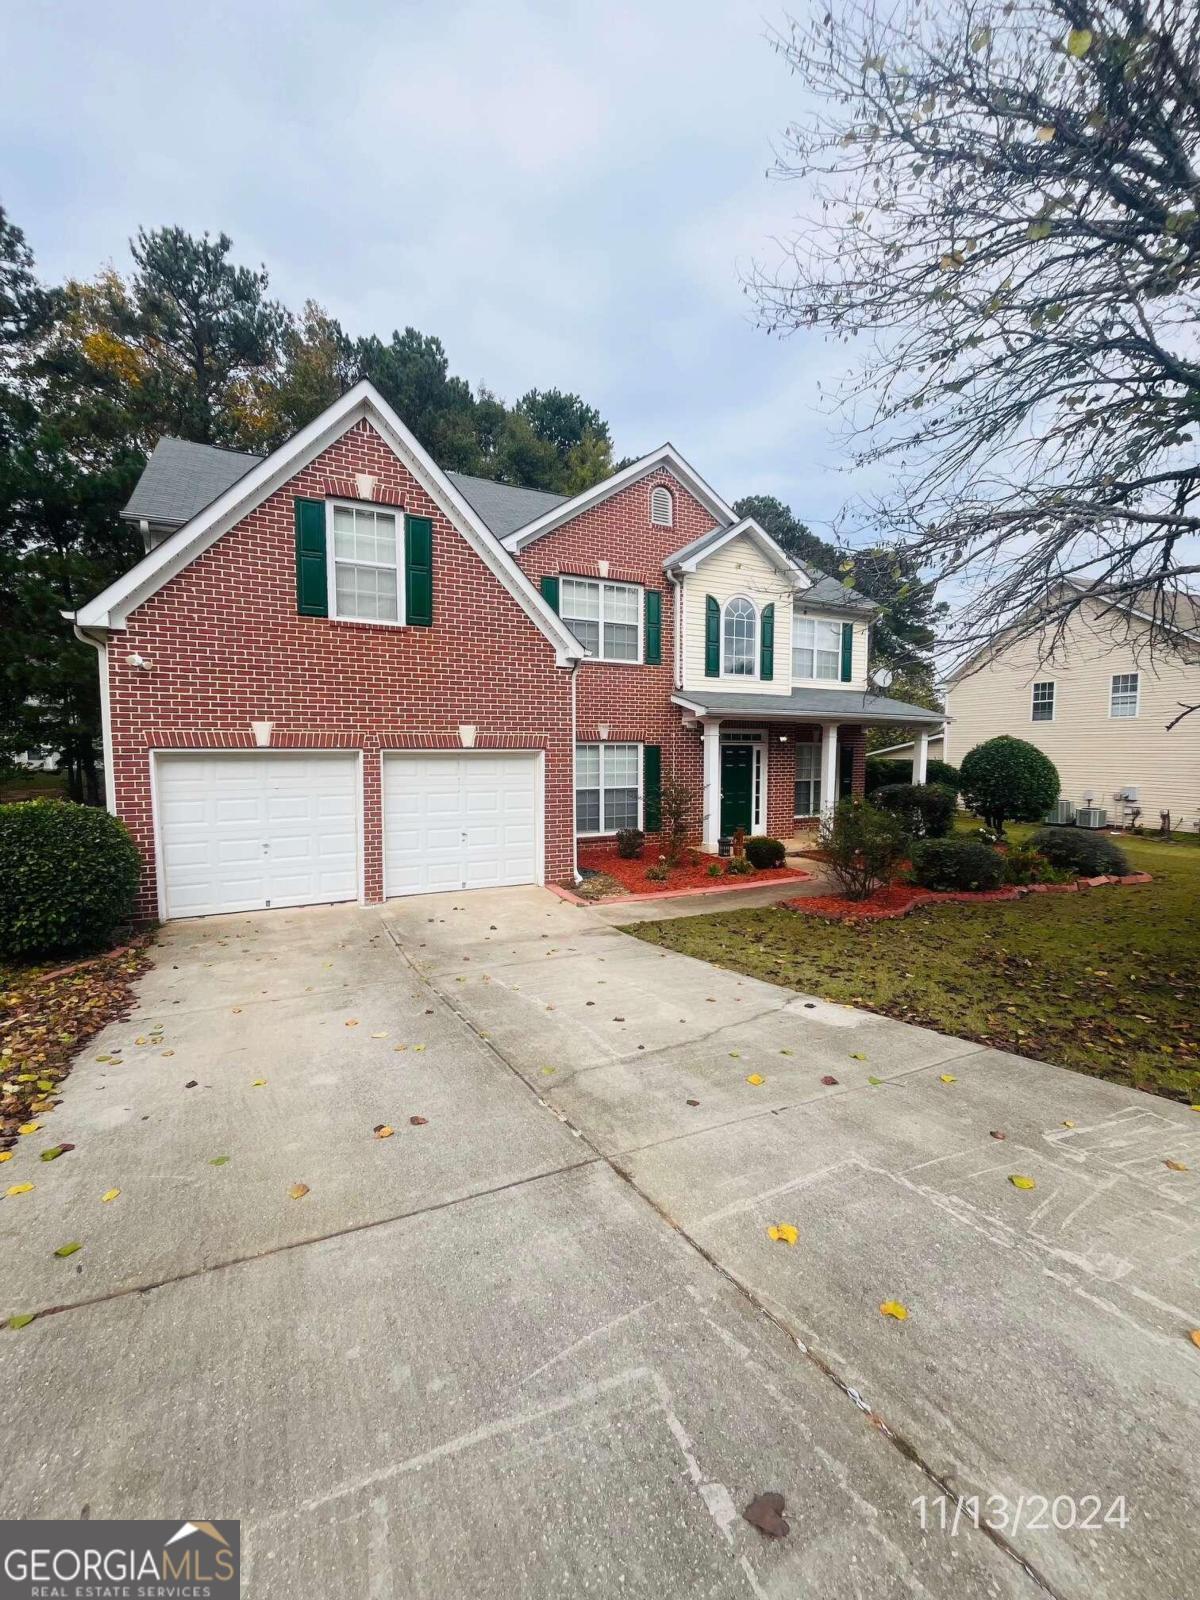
x=665 y=456
x=690 y=557
x=503 y=507
x=181 y=478
x=111 y=608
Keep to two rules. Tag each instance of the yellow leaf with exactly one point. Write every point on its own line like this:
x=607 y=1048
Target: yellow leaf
x=259 y=1083
x=418 y=1047
x=756 y=1078
x=858 y=1056
x=1194 y=1336
x=383 y=1131
x=5 y=1155
x=1044 y=135
x=783 y=1233
x=1068 y=1124
x=141 y=1039
x=29 y=1127
x=948 y=1077
x=1018 y=1181
x=110 y=1194
x=1079 y=42
x=298 y=1191
x=893 y=1308
x=68 y=1249
x=1176 y=1166
x=19 y=1188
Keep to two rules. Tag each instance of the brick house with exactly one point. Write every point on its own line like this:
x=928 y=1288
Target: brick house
x=340 y=673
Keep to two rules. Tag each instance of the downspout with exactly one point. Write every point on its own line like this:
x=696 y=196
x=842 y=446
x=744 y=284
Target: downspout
x=677 y=586
x=574 y=729
x=101 y=648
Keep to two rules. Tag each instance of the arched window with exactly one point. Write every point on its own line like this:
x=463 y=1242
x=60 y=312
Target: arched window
x=662 y=507
x=740 y=638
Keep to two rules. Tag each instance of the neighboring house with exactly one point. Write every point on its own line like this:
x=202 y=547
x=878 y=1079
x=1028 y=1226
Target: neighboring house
x=1098 y=706
x=341 y=673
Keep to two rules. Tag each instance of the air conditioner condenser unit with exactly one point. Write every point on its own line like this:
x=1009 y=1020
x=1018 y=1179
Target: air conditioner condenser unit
x=1091 y=817
x=1062 y=815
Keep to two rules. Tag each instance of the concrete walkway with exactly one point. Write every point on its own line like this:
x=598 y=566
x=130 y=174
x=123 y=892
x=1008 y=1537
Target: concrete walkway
x=540 y=1342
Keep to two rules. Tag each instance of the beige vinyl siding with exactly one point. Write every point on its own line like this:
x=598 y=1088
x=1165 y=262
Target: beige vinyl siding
x=738 y=567
x=1093 y=751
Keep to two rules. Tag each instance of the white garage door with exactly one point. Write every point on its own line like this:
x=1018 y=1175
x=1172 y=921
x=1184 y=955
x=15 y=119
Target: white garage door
x=466 y=821
x=243 y=832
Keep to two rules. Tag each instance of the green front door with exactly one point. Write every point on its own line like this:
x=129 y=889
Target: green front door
x=737 y=787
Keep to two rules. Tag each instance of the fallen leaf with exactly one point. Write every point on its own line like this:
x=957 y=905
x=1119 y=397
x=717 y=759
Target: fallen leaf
x=765 y=1512
x=1194 y=1336
x=379 y=1036
x=217 y=1161
x=298 y=1191
x=997 y=1134
x=6 y=1155
x=858 y=1056
x=735 y=1055
x=353 y=1022
x=19 y=1188
x=68 y=1249
x=259 y=1083
x=168 y=1052
x=893 y=1308
x=418 y=1122
x=20 y=1319
x=948 y=1077
x=829 y=1080
x=55 y=1151
x=1176 y=1166
x=110 y=1194
x=141 y=1039
x=783 y=1233
x=875 y=1081
x=382 y=1131
x=1068 y=1124
x=756 y=1078
x=548 y=1072
x=192 y=1083
x=693 y=1102
x=1018 y=1181
x=418 y=1047
x=29 y=1127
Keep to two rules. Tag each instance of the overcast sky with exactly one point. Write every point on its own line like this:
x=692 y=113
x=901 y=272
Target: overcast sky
x=563 y=193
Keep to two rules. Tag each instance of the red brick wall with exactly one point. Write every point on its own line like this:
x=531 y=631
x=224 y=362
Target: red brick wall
x=227 y=648
x=633 y=699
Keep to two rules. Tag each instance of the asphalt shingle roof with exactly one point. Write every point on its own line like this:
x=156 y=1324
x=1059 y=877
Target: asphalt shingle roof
x=181 y=478
x=849 y=705
x=502 y=507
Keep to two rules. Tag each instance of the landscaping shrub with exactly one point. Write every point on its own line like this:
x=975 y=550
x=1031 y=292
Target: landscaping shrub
x=945 y=864
x=1088 y=855
x=659 y=872
x=69 y=880
x=1006 y=779
x=630 y=842
x=881 y=770
x=926 y=809
x=738 y=866
x=942 y=772
x=863 y=847
x=1024 y=864
x=677 y=803
x=763 y=852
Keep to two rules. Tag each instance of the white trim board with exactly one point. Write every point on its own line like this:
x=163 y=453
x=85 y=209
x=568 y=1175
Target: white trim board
x=363 y=402
x=695 y=554
x=665 y=456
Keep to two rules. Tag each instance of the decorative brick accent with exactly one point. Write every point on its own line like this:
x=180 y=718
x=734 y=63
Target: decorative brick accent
x=228 y=648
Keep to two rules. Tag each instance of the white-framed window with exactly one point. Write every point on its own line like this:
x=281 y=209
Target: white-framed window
x=739 y=638
x=816 y=648
x=808 y=780
x=662 y=507
x=1042 y=707
x=606 y=618
x=1123 y=698
x=366 y=570
x=608 y=787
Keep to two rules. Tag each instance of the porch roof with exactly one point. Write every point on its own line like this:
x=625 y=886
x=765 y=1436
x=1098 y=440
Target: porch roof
x=808 y=705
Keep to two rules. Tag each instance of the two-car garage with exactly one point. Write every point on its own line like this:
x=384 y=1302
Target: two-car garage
x=246 y=830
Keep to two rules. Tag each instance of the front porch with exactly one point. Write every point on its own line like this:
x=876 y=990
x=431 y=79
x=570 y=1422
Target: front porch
x=768 y=768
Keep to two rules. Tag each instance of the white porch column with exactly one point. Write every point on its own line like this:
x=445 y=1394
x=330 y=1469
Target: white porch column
x=829 y=769
x=711 y=830
x=921 y=756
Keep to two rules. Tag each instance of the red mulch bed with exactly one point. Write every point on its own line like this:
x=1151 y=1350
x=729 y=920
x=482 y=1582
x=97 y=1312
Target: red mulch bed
x=898 y=899
x=631 y=875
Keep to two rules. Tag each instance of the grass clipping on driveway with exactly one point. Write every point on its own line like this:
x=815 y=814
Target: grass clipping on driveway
x=46 y=1016
x=1106 y=981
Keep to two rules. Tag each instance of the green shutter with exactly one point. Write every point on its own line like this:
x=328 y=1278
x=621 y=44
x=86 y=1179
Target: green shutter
x=766 y=669
x=653 y=655
x=550 y=592
x=651 y=787
x=418 y=572
x=847 y=651
x=312 y=581
x=712 y=638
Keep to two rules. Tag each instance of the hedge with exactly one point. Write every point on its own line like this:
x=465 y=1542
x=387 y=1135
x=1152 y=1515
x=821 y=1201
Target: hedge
x=69 y=880
x=1088 y=855
x=947 y=864
x=926 y=809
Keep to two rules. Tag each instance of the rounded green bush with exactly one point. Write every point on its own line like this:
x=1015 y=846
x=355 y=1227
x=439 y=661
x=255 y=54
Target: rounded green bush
x=1089 y=855
x=941 y=772
x=945 y=864
x=926 y=809
x=70 y=877
x=630 y=843
x=1006 y=779
x=763 y=852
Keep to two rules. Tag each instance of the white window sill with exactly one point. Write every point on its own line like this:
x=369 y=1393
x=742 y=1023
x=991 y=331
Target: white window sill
x=367 y=622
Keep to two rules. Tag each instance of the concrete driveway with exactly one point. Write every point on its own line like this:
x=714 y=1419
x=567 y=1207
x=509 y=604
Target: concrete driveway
x=540 y=1342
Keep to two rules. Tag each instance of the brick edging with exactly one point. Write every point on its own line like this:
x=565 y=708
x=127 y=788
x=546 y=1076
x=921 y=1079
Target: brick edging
x=926 y=897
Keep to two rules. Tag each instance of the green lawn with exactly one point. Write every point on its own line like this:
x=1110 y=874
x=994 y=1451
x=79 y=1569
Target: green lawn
x=1106 y=981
